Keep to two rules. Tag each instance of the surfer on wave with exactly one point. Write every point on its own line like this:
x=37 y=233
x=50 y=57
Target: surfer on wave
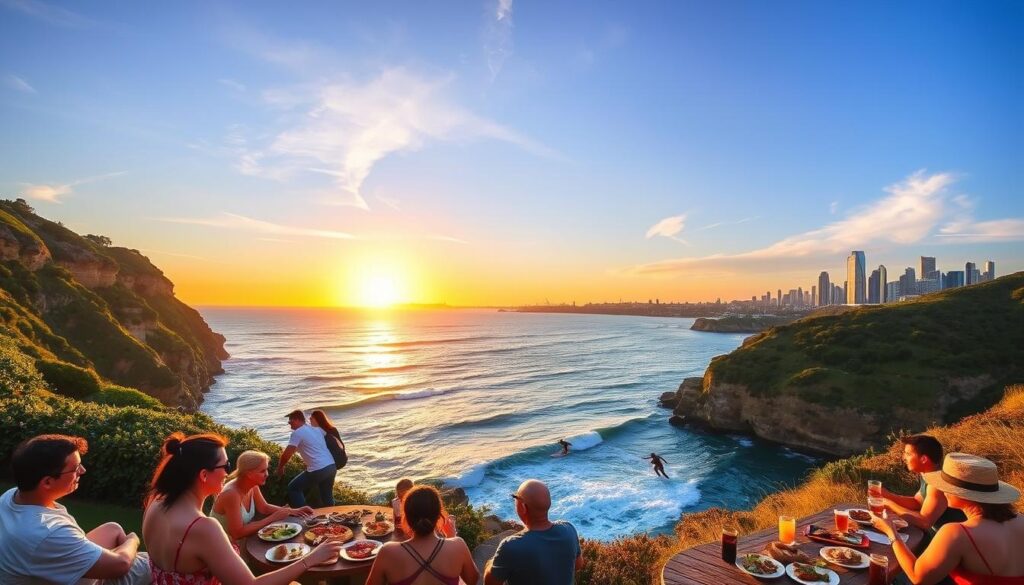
x=565 y=446
x=659 y=464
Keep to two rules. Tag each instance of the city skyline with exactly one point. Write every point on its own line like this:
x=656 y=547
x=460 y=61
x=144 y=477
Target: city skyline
x=499 y=153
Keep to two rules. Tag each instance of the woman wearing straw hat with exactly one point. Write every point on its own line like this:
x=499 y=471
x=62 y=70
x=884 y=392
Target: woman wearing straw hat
x=986 y=548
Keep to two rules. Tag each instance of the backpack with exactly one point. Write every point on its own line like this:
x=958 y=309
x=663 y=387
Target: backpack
x=337 y=448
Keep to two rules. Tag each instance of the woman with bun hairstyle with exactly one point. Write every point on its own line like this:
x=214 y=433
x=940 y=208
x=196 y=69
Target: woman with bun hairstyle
x=426 y=558
x=185 y=546
x=241 y=500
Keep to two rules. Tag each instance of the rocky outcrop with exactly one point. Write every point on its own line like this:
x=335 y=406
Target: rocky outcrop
x=740 y=323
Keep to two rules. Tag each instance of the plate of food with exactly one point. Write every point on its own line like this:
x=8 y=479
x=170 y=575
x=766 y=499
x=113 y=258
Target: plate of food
x=353 y=518
x=287 y=552
x=760 y=566
x=316 y=520
x=787 y=553
x=860 y=516
x=845 y=557
x=811 y=575
x=377 y=529
x=360 y=550
x=852 y=537
x=279 y=531
x=317 y=534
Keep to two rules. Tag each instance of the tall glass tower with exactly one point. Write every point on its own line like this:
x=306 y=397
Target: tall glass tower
x=856 y=276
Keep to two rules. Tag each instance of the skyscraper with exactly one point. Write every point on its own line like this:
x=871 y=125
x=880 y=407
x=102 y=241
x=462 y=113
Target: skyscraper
x=908 y=283
x=883 y=274
x=814 y=295
x=969 y=270
x=856 y=276
x=780 y=297
x=824 y=289
x=954 y=279
x=990 y=270
x=927 y=267
x=873 y=288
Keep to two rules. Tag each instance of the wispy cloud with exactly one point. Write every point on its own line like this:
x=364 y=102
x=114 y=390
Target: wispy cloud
x=498 y=37
x=18 y=84
x=242 y=223
x=48 y=13
x=833 y=207
x=670 y=227
x=54 y=192
x=718 y=224
x=232 y=84
x=999 y=230
x=908 y=213
x=343 y=129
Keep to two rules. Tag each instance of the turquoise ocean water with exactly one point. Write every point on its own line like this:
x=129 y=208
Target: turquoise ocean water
x=480 y=398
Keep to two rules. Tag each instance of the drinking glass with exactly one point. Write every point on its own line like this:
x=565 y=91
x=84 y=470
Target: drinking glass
x=877 y=506
x=730 y=536
x=874 y=488
x=842 y=520
x=787 y=529
x=878 y=571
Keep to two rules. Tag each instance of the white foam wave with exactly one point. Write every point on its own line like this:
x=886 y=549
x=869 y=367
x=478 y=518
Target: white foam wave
x=473 y=477
x=584 y=441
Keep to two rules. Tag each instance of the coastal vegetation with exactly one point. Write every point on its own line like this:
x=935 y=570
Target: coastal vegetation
x=741 y=323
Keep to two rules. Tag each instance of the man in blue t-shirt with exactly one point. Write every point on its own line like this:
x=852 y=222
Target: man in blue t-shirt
x=545 y=553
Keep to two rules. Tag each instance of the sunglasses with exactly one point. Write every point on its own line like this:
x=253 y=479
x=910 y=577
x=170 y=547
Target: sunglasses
x=226 y=467
x=520 y=499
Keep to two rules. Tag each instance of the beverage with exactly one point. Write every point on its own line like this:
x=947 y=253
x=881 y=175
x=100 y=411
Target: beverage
x=878 y=570
x=787 y=529
x=877 y=506
x=874 y=488
x=842 y=520
x=730 y=536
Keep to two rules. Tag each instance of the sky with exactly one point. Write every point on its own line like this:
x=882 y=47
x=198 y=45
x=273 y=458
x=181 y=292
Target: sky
x=506 y=152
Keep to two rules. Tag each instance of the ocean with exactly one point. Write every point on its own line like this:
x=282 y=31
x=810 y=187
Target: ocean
x=480 y=398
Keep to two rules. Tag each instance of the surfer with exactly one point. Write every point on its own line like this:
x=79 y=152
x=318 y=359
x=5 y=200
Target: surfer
x=565 y=446
x=659 y=464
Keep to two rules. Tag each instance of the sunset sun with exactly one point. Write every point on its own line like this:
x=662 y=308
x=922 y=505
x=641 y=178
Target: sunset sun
x=379 y=291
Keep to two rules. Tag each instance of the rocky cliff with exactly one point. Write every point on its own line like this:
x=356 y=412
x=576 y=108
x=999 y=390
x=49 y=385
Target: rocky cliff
x=80 y=301
x=841 y=383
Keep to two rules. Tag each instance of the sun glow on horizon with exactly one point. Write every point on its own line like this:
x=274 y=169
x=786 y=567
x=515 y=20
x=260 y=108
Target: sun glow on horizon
x=376 y=284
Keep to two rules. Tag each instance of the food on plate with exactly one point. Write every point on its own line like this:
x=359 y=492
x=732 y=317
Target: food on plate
x=362 y=549
x=843 y=555
x=316 y=520
x=860 y=515
x=809 y=573
x=282 y=552
x=379 y=517
x=852 y=536
x=318 y=534
x=353 y=518
x=785 y=553
x=377 y=528
x=278 y=531
x=758 y=564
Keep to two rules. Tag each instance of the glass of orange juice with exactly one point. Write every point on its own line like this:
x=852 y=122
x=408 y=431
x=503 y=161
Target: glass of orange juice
x=787 y=529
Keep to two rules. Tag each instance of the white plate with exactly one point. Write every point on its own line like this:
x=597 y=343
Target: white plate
x=292 y=525
x=864 y=559
x=348 y=545
x=391 y=528
x=291 y=546
x=833 y=577
x=861 y=522
x=779 y=569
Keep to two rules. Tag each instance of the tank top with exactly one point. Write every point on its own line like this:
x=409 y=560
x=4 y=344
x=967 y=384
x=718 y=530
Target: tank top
x=173 y=577
x=962 y=577
x=425 y=566
x=247 y=515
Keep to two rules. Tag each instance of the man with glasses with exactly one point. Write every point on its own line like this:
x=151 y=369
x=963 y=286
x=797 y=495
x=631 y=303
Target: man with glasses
x=545 y=553
x=41 y=543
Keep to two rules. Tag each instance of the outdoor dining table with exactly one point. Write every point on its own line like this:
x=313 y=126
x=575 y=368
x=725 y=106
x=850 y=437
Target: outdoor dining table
x=342 y=570
x=703 y=565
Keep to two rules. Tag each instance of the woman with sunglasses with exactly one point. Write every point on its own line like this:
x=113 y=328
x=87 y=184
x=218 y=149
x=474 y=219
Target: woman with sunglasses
x=185 y=546
x=237 y=505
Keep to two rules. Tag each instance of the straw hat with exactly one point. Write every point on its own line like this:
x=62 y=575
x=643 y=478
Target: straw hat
x=972 y=478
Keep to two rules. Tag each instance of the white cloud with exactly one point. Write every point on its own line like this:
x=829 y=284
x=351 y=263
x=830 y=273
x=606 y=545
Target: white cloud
x=833 y=207
x=53 y=193
x=345 y=128
x=1000 y=230
x=670 y=227
x=723 y=223
x=248 y=224
x=908 y=213
x=18 y=84
x=232 y=84
x=54 y=15
x=498 y=37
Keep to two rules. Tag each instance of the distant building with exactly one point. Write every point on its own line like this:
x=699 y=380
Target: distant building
x=824 y=289
x=856 y=276
x=780 y=297
x=928 y=285
x=814 y=295
x=990 y=270
x=873 y=288
x=954 y=279
x=969 y=270
x=846 y=291
x=908 y=283
x=927 y=266
x=883 y=275
x=977 y=276
x=892 y=291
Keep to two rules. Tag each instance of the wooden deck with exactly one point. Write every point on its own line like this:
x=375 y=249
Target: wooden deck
x=703 y=565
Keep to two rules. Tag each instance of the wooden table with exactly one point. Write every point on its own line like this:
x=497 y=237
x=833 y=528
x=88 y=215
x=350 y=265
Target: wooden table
x=703 y=565
x=257 y=548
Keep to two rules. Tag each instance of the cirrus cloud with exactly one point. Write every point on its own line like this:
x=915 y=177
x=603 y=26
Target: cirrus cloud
x=670 y=227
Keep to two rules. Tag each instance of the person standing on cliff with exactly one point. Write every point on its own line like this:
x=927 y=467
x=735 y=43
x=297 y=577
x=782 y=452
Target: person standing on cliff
x=320 y=467
x=659 y=464
x=927 y=509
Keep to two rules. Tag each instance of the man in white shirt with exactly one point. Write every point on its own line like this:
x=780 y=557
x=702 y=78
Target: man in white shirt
x=311 y=444
x=41 y=543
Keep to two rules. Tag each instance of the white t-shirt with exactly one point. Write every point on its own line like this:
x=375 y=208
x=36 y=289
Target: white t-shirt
x=42 y=546
x=309 y=441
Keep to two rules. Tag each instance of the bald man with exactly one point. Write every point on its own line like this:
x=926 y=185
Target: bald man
x=544 y=553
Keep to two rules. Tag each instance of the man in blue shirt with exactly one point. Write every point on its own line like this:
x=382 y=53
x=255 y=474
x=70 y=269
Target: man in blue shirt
x=544 y=553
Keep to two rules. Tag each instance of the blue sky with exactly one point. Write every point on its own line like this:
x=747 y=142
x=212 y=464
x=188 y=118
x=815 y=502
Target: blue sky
x=507 y=152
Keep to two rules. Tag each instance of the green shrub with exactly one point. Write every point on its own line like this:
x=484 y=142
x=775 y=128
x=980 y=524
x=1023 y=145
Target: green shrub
x=470 y=522
x=68 y=379
x=18 y=374
x=632 y=560
x=115 y=395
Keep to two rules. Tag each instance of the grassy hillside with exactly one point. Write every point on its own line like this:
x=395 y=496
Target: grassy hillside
x=916 y=350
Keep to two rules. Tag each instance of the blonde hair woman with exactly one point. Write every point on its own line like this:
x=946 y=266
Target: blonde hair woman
x=241 y=499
